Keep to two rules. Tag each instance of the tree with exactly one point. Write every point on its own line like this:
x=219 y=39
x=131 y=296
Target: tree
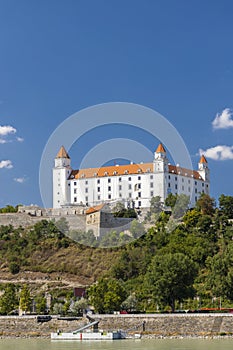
x=79 y=306
x=107 y=295
x=181 y=206
x=220 y=273
x=40 y=304
x=170 y=278
x=206 y=204
x=9 y=301
x=171 y=199
x=25 y=301
x=226 y=205
x=156 y=206
x=137 y=229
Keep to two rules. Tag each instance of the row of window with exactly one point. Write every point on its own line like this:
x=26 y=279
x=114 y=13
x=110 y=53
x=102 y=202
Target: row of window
x=109 y=180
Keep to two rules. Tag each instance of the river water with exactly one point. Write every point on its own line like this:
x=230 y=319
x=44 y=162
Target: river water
x=147 y=344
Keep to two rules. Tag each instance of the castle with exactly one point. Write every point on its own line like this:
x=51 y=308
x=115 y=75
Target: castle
x=132 y=184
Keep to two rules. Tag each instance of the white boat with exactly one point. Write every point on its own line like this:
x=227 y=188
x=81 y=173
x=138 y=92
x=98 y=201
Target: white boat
x=86 y=336
x=84 y=333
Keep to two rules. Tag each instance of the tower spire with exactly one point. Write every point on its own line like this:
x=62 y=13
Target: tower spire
x=160 y=149
x=62 y=153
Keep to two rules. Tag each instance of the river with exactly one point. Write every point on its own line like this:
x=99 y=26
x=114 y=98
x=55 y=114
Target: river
x=142 y=344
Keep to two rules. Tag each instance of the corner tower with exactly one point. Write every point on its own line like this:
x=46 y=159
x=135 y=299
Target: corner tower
x=160 y=159
x=203 y=169
x=61 y=172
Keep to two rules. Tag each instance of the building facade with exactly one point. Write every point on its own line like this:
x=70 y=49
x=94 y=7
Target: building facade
x=133 y=184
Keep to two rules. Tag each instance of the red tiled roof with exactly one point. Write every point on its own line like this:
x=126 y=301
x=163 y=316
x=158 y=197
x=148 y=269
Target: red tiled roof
x=62 y=153
x=95 y=209
x=184 y=172
x=160 y=149
x=130 y=169
x=203 y=159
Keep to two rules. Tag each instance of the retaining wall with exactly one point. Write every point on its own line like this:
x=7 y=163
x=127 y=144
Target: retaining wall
x=186 y=325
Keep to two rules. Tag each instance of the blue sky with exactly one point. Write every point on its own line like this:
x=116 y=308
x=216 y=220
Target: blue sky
x=58 y=57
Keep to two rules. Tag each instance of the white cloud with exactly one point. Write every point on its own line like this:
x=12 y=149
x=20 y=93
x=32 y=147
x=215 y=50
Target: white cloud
x=2 y=141
x=20 y=139
x=223 y=120
x=6 y=164
x=20 y=179
x=220 y=152
x=6 y=130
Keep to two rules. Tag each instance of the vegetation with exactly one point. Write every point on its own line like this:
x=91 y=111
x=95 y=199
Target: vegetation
x=163 y=269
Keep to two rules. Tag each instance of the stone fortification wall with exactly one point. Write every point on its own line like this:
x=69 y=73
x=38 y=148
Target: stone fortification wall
x=75 y=221
x=186 y=325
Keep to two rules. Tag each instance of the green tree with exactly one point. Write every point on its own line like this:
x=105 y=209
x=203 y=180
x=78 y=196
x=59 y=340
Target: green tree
x=79 y=306
x=8 y=301
x=181 y=206
x=226 y=206
x=170 y=278
x=171 y=199
x=206 y=204
x=107 y=295
x=40 y=304
x=25 y=301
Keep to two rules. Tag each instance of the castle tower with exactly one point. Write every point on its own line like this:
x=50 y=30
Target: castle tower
x=160 y=159
x=203 y=169
x=61 y=172
x=160 y=168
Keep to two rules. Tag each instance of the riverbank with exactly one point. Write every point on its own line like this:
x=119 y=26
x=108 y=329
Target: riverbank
x=150 y=326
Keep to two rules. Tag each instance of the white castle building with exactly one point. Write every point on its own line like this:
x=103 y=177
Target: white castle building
x=134 y=184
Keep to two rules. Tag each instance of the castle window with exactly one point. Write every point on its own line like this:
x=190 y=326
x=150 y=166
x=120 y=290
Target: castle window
x=109 y=180
x=98 y=189
x=109 y=188
x=151 y=177
x=98 y=181
x=86 y=182
x=109 y=196
x=151 y=185
x=86 y=190
x=139 y=194
x=86 y=198
x=98 y=198
x=58 y=192
x=151 y=193
x=139 y=177
x=120 y=195
x=75 y=191
x=182 y=188
x=195 y=199
x=139 y=186
x=75 y=199
x=189 y=181
x=119 y=179
x=130 y=195
x=176 y=187
x=207 y=185
x=129 y=179
x=75 y=183
x=175 y=178
x=182 y=180
x=130 y=187
x=202 y=184
x=169 y=177
x=189 y=189
x=120 y=187
x=195 y=183
x=169 y=185
x=139 y=203
x=195 y=190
